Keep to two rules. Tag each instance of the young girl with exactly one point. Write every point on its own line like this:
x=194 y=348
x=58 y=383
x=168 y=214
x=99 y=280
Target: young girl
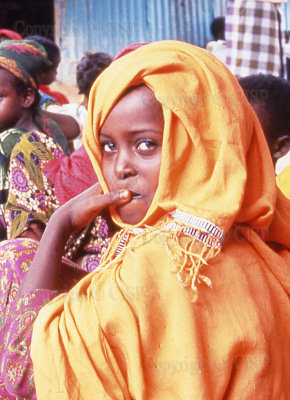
x=191 y=299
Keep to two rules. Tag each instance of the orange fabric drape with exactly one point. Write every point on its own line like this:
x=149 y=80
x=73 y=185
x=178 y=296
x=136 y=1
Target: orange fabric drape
x=129 y=330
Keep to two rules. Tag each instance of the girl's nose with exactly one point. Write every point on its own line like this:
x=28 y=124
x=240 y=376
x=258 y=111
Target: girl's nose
x=124 y=165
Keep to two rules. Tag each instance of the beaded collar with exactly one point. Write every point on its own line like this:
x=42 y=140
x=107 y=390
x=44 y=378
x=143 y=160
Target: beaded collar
x=200 y=228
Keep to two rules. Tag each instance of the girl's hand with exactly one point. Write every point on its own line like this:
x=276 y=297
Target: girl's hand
x=45 y=271
x=82 y=209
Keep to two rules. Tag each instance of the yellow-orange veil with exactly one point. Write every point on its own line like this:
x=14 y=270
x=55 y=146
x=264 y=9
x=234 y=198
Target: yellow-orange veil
x=215 y=160
x=129 y=330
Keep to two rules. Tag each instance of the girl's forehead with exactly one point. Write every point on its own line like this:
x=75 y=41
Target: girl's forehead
x=137 y=106
x=137 y=98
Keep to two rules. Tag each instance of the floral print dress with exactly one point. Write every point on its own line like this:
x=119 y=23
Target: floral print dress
x=16 y=317
x=17 y=314
x=32 y=199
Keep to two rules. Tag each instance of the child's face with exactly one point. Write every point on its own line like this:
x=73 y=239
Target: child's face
x=50 y=76
x=131 y=141
x=10 y=101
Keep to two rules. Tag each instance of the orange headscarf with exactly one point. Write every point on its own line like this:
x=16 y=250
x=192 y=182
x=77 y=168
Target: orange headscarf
x=129 y=330
x=219 y=167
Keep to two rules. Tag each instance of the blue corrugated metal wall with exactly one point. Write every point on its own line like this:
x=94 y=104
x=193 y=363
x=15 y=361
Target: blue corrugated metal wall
x=286 y=9
x=109 y=25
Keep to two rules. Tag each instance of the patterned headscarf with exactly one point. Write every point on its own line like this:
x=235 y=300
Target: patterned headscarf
x=25 y=59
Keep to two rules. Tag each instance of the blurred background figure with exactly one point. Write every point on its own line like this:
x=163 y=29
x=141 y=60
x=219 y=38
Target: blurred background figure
x=218 y=46
x=48 y=75
x=255 y=37
x=270 y=98
x=88 y=69
x=21 y=62
x=63 y=177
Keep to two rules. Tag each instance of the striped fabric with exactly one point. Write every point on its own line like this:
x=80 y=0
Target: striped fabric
x=255 y=36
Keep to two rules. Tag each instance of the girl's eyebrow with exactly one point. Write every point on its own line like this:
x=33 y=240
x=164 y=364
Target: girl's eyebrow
x=104 y=134
x=145 y=130
x=135 y=132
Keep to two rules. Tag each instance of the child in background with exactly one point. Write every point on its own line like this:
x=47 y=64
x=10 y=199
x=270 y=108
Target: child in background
x=191 y=300
x=270 y=98
x=63 y=177
x=48 y=75
x=218 y=46
x=20 y=66
x=68 y=125
x=52 y=178
x=88 y=69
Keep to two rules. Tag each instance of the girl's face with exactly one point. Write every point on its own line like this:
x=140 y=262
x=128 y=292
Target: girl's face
x=10 y=101
x=131 y=142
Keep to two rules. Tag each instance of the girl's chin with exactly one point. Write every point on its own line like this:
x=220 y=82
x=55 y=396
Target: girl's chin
x=132 y=213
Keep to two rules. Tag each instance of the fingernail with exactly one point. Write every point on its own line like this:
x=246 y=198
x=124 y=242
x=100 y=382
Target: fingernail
x=124 y=194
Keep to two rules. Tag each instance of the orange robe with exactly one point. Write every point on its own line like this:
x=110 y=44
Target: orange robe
x=174 y=311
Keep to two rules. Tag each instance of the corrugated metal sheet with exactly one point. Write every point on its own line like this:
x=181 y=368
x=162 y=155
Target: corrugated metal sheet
x=109 y=25
x=286 y=10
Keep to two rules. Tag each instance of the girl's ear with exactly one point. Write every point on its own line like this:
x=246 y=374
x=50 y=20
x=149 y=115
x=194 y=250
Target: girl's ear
x=28 y=97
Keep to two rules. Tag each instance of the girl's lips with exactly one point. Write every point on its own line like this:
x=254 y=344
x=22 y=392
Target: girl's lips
x=134 y=195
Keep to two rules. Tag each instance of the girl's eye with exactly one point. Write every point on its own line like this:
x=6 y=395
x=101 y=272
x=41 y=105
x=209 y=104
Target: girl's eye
x=146 y=145
x=108 y=147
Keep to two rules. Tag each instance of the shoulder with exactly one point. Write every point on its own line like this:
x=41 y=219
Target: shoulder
x=8 y=139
